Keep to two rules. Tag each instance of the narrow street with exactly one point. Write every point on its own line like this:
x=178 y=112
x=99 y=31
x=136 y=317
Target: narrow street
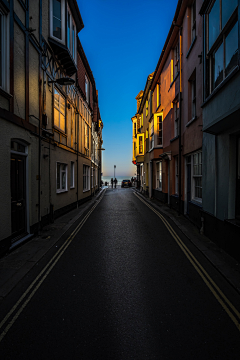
x=123 y=283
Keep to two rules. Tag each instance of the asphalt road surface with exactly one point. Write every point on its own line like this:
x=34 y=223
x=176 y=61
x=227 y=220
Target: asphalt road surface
x=122 y=284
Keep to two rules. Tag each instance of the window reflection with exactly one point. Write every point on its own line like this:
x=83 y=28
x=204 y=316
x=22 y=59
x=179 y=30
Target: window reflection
x=227 y=9
x=218 y=66
x=214 y=23
x=57 y=18
x=231 y=50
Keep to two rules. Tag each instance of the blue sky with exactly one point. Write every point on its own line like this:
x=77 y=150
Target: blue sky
x=122 y=41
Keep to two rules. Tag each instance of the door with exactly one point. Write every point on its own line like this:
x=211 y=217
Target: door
x=18 y=195
x=188 y=182
x=238 y=181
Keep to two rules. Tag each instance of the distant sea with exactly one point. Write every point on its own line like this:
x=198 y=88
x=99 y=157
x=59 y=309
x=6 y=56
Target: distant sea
x=119 y=179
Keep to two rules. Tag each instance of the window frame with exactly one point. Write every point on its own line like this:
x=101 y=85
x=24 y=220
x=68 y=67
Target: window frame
x=87 y=88
x=176 y=174
x=176 y=65
x=5 y=51
x=54 y=107
x=159 y=176
x=196 y=176
x=193 y=21
x=86 y=177
x=62 y=40
x=158 y=130
x=151 y=133
x=72 y=175
x=217 y=43
x=60 y=189
x=176 y=110
x=141 y=144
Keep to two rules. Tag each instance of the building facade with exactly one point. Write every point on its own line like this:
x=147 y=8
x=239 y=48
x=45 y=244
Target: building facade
x=193 y=128
x=51 y=130
x=221 y=128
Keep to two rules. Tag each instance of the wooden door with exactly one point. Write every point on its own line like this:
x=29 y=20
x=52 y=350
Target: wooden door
x=18 y=195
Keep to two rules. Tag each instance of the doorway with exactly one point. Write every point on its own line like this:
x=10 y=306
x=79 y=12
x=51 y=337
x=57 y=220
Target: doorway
x=188 y=182
x=238 y=181
x=18 y=191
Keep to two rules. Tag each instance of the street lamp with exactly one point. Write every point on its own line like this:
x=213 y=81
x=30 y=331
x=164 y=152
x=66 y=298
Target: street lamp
x=62 y=81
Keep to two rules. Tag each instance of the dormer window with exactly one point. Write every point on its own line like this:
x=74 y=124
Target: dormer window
x=57 y=22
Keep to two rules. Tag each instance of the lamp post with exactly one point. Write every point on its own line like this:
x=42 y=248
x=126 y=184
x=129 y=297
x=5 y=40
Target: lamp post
x=114 y=171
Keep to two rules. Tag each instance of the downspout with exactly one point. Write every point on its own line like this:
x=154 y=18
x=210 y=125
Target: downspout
x=180 y=127
x=77 y=124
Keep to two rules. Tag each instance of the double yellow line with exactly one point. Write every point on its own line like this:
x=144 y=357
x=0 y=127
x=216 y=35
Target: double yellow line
x=17 y=309
x=221 y=298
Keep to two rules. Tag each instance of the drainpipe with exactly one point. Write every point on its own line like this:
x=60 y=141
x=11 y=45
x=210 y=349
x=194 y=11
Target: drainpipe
x=180 y=128
x=76 y=142
x=39 y=172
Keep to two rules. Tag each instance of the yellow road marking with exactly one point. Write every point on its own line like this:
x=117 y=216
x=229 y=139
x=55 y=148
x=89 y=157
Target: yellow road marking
x=201 y=271
x=47 y=269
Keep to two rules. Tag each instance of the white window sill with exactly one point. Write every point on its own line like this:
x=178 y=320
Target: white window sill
x=61 y=191
x=158 y=189
x=72 y=187
x=191 y=121
x=197 y=201
x=86 y=190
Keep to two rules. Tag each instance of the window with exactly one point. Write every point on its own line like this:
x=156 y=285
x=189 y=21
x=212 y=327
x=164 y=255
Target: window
x=159 y=131
x=159 y=176
x=193 y=21
x=176 y=117
x=57 y=19
x=59 y=110
x=176 y=175
x=222 y=41
x=197 y=176
x=4 y=51
x=86 y=178
x=176 y=60
x=91 y=177
x=158 y=94
x=146 y=108
x=151 y=134
x=86 y=145
x=140 y=144
x=134 y=129
x=72 y=175
x=192 y=96
x=87 y=89
x=71 y=34
x=69 y=30
x=61 y=177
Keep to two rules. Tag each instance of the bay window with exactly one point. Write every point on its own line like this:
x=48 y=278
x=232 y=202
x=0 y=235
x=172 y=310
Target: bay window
x=222 y=41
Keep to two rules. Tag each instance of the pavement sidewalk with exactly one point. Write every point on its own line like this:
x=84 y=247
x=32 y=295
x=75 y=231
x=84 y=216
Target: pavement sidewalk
x=224 y=263
x=16 y=264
